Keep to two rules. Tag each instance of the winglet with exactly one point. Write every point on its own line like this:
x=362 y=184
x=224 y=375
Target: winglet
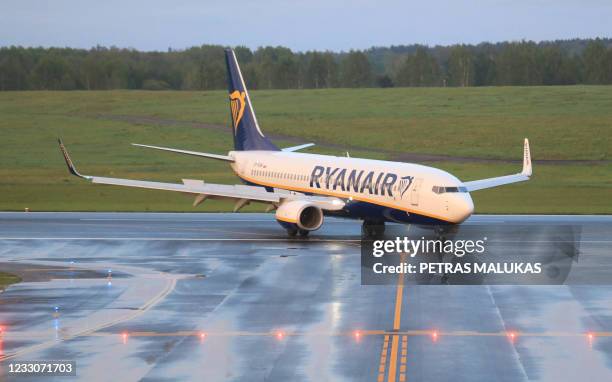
x=526 y=159
x=69 y=163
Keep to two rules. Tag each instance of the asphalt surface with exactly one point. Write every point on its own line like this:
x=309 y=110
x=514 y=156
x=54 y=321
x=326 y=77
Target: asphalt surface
x=212 y=297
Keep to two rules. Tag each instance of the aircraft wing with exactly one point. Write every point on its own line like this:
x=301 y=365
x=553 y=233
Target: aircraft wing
x=500 y=181
x=241 y=193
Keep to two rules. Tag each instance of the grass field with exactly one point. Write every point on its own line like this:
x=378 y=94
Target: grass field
x=7 y=279
x=570 y=126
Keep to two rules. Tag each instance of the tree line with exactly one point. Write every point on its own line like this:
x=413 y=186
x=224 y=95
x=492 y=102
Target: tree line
x=563 y=62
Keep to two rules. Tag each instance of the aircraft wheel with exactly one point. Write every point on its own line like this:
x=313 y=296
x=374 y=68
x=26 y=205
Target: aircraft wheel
x=440 y=234
x=371 y=229
x=292 y=232
x=303 y=232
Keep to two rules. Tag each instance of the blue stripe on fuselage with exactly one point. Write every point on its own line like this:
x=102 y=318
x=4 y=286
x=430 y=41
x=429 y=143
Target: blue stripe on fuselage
x=376 y=212
x=371 y=211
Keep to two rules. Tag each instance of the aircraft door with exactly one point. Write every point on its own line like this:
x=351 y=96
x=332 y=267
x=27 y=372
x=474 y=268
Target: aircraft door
x=414 y=194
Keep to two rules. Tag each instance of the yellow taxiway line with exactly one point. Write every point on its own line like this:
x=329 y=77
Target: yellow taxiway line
x=395 y=338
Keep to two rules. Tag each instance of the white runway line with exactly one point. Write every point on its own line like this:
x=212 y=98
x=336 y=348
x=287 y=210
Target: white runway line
x=176 y=220
x=271 y=220
x=170 y=284
x=181 y=239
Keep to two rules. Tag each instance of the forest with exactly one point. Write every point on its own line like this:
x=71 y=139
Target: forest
x=562 y=62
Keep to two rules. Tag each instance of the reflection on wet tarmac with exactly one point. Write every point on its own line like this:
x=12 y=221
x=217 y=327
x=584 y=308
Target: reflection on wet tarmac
x=198 y=297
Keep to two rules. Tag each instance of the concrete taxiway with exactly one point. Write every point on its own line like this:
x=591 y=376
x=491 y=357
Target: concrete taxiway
x=229 y=297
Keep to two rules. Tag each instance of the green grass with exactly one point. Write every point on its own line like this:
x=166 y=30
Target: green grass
x=7 y=279
x=563 y=123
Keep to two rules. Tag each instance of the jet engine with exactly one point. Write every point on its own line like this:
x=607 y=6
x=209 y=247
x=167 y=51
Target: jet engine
x=306 y=215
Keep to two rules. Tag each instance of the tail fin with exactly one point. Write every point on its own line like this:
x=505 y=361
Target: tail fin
x=247 y=135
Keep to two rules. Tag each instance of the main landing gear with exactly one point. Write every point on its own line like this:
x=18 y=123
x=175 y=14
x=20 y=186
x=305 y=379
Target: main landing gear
x=444 y=232
x=294 y=231
x=372 y=229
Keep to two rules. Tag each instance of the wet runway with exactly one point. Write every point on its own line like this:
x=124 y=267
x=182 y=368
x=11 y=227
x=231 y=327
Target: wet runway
x=229 y=297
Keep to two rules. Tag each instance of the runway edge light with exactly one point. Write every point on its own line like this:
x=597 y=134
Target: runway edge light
x=512 y=335
x=590 y=338
x=280 y=334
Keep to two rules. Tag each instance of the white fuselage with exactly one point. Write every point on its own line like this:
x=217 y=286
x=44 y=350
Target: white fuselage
x=410 y=188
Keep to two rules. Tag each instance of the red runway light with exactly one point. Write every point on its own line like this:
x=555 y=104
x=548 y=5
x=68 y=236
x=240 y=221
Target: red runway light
x=357 y=335
x=202 y=336
x=434 y=335
x=124 y=337
x=280 y=335
x=512 y=336
x=590 y=337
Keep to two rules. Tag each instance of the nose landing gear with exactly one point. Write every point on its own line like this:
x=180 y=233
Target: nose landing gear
x=372 y=229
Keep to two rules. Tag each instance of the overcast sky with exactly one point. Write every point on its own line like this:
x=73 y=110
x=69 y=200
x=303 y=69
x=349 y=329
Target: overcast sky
x=300 y=25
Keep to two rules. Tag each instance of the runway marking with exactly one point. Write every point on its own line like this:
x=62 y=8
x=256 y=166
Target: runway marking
x=402 y=376
x=242 y=239
x=310 y=240
x=169 y=287
x=386 y=336
x=187 y=220
x=383 y=359
x=394 y=334
x=393 y=360
x=397 y=317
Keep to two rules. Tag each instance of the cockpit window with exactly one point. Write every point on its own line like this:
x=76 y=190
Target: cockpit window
x=441 y=190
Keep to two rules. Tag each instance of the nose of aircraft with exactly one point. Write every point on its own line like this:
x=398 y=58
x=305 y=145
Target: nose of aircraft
x=466 y=207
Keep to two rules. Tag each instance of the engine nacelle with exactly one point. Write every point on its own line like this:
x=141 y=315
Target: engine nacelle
x=305 y=215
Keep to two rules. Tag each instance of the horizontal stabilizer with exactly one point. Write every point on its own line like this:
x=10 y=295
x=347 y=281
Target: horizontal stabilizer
x=187 y=152
x=297 y=148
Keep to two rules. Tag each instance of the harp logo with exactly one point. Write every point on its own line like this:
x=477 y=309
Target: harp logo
x=405 y=183
x=237 y=106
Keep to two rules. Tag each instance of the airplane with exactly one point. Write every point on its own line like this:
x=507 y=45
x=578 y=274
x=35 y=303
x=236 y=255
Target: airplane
x=303 y=188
